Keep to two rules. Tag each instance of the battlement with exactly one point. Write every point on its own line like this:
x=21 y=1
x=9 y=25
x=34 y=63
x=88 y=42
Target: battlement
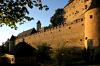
x=60 y=26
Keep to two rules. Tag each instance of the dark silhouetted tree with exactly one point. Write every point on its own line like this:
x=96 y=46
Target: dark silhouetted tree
x=57 y=18
x=15 y=11
x=43 y=54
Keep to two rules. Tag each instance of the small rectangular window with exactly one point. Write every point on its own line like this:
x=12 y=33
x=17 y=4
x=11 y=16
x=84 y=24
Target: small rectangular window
x=80 y=39
x=91 y=16
x=85 y=6
x=81 y=19
x=69 y=27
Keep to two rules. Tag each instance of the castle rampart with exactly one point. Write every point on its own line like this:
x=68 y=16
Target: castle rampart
x=81 y=28
x=63 y=35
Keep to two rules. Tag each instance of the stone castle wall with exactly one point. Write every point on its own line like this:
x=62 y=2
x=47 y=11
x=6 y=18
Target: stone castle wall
x=76 y=10
x=81 y=28
x=69 y=35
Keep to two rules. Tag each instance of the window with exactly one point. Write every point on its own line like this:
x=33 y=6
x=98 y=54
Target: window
x=85 y=6
x=86 y=38
x=80 y=39
x=91 y=16
x=76 y=20
x=12 y=59
x=82 y=24
x=69 y=27
x=81 y=19
x=77 y=12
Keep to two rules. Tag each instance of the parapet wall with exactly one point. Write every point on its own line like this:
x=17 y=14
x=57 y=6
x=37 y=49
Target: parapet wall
x=69 y=35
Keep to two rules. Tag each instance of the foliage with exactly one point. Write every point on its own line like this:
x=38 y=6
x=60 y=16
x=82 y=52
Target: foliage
x=4 y=49
x=16 y=11
x=66 y=56
x=48 y=27
x=57 y=18
x=43 y=54
x=4 y=60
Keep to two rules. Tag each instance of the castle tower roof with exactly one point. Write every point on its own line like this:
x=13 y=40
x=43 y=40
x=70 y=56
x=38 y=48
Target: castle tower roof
x=38 y=22
x=12 y=37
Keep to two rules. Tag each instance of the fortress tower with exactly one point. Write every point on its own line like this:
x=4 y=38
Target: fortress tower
x=38 y=25
x=87 y=11
x=92 y=24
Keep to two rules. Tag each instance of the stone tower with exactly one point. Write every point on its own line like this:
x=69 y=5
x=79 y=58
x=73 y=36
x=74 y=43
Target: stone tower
x=38 y=25
x=12 y=43
x=92 y=24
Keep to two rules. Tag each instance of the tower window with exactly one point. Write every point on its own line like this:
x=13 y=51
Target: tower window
x=91 y=16
x=85 y=6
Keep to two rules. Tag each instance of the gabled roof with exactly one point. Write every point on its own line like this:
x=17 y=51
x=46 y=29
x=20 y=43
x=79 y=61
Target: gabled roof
x=27 y=33
x=12 y=38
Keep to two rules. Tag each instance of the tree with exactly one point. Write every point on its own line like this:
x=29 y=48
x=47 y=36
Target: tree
x=57 y=18
x=15 y=11
x=43 y=54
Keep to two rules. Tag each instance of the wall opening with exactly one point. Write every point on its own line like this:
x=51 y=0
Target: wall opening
x=86 y=38
x=81 y=19
x=80 y=39
x=69 y=27
x=85 y=6
x=91 y=16
x=82 y=24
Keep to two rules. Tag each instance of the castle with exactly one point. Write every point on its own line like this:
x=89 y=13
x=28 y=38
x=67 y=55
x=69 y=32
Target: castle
x=81 y=27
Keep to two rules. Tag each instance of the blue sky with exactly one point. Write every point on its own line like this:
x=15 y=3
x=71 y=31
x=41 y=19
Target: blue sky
x=43 y=16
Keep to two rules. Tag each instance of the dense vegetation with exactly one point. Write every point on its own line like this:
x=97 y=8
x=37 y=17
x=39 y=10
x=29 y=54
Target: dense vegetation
x=57 y=18
x=16 y=11
x=46 y=55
